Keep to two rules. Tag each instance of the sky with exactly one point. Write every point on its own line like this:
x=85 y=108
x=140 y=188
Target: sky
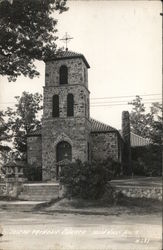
x=122 y=42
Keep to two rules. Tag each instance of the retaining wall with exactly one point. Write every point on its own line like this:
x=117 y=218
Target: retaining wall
x=141 y=191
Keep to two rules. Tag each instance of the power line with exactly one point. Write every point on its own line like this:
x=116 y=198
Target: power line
x=113 y=103
x=117 y=104
x=152 y=100
x=112 y=97
x=109 y=97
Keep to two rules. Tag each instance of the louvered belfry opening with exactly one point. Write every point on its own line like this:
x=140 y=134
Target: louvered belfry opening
x=55 y=108
x=70 y=105
x=63 y=75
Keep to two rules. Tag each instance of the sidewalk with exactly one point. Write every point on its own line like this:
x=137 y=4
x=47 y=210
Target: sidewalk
x=140 y=181
x=19 y=205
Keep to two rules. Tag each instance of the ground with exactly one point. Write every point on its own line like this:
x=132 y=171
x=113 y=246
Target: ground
x=131 y=224
x=47 y=229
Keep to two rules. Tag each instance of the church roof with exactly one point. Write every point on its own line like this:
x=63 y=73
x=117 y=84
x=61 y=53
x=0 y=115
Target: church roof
x=97 y=126
x=35 y=133
x=68 y=55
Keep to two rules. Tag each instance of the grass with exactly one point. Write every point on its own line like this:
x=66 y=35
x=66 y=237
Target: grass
x=124 y=205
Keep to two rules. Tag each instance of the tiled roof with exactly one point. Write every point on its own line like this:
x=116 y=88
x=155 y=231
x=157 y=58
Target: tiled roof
x=14 y=163
x=36 y=132
x=137 y=140
x=97 y=126
x=68 y=55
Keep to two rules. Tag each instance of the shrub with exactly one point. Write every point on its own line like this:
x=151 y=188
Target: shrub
x=147 y=160
x=85 y=180
x=32 y=173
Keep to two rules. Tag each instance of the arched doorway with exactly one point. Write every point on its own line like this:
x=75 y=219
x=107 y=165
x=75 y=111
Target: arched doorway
x=63 y=153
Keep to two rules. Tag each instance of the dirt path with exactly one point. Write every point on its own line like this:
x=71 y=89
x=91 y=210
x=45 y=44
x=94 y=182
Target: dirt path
x=31 y=231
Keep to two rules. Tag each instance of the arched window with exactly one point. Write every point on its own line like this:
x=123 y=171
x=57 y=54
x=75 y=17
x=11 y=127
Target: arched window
x=70 y=105
x=64 y=151
x=63 y=75
x=55 y=108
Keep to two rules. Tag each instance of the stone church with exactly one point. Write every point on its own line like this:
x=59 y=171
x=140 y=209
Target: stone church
x=68 y=133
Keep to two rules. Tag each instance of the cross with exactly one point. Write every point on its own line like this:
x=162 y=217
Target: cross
x=66 y=39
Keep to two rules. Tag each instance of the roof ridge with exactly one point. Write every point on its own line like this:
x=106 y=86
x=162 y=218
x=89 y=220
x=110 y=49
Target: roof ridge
x=68 y=54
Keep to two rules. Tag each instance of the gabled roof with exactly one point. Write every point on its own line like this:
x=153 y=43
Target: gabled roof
x=97 y=126
x=68 y=55
x=37 y=132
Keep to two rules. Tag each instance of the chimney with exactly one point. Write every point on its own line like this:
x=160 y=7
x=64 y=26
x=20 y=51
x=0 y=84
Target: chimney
x=126 y=127
x=126 y=156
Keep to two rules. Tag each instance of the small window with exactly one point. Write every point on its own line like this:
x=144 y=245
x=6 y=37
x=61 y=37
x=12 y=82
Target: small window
x=88 y=106
x=85 y=75
x=55 y=112
x=70 y=105
x=63 y=75
x=88 y=151
x=85 y=105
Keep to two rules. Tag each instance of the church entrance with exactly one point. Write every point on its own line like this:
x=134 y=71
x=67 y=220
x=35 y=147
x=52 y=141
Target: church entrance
x=63 y=155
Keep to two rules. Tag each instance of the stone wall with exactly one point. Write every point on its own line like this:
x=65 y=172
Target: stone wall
x=81 y=103
x=3 y=190
x=104 y=145
x=77 y=72
x=141 y=191
x=73 y=131
x=11 y=187
x=34 y=150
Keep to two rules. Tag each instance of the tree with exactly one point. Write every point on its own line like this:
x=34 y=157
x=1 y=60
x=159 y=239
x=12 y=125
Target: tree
x=3 y=134
x=157 y=126
x=146 y=124
x=4 y=139
x=27 y=33
x=24 y=120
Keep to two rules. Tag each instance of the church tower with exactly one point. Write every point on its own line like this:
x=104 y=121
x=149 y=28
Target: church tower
x=65 y=123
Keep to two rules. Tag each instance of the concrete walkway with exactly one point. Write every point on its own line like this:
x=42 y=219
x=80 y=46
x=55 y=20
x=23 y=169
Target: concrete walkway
x=140 y=181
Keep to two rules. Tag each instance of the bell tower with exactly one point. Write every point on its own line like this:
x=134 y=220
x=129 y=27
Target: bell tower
x=65 y=123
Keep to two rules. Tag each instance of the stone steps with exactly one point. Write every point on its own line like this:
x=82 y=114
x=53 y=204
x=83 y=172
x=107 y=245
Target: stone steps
x=39 y=192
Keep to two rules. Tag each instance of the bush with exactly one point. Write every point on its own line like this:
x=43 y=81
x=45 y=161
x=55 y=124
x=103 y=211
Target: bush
x=114 y=168
x=32 y=173
x=147 y=160
x=85 y=180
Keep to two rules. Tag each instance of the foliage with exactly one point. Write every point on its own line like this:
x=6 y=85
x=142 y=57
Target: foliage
x=23 y=120
x=85 y=180
x=32 y=173
x=147 y=161
x=3 y=134
x=146 y=124
x=27 y=33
